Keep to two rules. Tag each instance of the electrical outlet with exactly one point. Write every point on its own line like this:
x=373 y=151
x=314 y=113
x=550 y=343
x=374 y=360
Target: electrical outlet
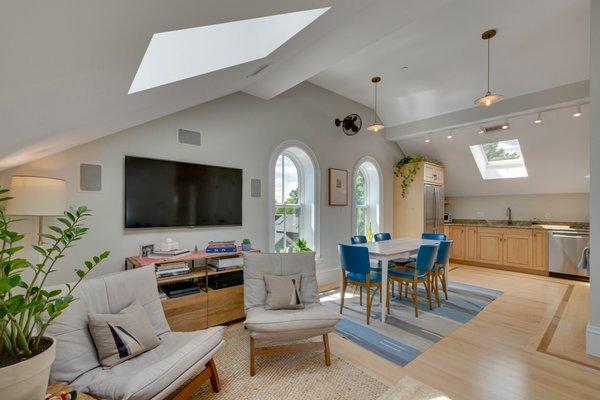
x=548 y=216
x=480 y=215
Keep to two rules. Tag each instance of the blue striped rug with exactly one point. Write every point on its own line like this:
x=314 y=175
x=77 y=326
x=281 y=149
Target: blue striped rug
x=404 y=337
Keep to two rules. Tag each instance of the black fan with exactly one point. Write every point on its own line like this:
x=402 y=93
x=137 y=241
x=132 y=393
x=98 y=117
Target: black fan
x=350 y=125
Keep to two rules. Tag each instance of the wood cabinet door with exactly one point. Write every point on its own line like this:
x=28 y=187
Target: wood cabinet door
x=433 y=174
x=471 y=243
x=489 y=246
x=539 y=250
x=457 y=235
x=517 y=248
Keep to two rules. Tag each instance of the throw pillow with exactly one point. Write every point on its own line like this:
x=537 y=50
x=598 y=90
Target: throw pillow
x=119 y=337
x=283 y=292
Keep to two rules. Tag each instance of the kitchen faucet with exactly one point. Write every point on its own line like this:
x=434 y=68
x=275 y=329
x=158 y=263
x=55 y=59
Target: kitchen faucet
x=509 y=215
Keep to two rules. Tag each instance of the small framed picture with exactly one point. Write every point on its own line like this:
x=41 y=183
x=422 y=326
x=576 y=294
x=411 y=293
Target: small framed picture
x=338 y=187
x=146 y=250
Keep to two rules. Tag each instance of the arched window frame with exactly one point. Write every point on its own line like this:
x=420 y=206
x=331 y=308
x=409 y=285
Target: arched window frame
x=309 y=188
x=370 y=168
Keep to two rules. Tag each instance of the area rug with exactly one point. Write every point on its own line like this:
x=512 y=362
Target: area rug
x=404 y=337
x=408 y=388
x=295 y=376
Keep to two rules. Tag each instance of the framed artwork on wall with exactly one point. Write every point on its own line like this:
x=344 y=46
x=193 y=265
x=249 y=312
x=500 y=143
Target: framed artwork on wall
x=338 y=187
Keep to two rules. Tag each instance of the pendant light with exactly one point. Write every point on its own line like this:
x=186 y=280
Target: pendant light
x=488 y=99
x=376 y=126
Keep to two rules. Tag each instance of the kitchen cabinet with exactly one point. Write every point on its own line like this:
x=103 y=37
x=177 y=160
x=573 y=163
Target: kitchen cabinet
x=457 y=235
x=539 y=251
x=516 y=245
x=433 y=174
x=489 y=245
x=471 y=243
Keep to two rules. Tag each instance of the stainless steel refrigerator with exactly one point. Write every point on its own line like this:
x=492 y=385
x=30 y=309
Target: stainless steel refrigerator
x=434 y=209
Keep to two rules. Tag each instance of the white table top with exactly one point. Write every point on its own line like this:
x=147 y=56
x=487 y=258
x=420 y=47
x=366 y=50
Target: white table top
x=396 y=246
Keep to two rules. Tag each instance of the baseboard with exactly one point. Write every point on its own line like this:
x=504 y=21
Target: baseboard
x=593 y=340
x=329 y=275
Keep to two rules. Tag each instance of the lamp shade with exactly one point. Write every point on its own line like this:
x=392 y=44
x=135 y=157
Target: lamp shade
x=38 y=196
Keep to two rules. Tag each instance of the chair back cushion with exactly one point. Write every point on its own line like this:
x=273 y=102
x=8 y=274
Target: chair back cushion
x=284 y=292
x=358 y=239
x=443 y=255
x=354 y=259
x=426 y=257
x=382 y=236
x=433 y=236
x=257 y=265
x=108 y=294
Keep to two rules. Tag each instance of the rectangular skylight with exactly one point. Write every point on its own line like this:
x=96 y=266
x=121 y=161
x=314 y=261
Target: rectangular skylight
x=176 y=55
x=500 y=160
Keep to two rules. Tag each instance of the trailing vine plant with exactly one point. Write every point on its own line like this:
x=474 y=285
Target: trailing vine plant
x=407 y=169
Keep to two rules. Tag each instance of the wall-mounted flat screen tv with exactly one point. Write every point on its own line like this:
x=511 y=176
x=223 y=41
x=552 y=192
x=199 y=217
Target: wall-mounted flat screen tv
x=160 y=193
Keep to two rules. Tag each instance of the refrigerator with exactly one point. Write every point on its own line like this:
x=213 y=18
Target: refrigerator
x=433 y=208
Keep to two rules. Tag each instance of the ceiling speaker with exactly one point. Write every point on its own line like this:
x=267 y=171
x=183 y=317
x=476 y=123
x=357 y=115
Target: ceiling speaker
x=189 y=137
x=90 y=177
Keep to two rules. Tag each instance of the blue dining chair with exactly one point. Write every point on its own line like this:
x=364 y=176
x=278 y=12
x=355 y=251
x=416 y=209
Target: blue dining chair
x=433 y=236
x=357 y=272
x=382 y=236
x=439 y=271
x=420 y=274
x=358 y=239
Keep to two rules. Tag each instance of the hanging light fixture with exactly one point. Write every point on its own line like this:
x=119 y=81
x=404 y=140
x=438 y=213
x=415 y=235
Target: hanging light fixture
x=488 y=99
x=376 y=126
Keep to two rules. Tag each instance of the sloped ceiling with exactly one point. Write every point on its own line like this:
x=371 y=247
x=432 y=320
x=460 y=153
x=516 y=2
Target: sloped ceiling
x=555 y=152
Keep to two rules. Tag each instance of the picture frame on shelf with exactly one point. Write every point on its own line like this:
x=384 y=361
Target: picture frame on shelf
x=338 y=187
x=146 y=250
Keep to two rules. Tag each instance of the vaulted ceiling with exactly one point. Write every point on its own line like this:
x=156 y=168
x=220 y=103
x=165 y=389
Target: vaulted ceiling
x=67 y=66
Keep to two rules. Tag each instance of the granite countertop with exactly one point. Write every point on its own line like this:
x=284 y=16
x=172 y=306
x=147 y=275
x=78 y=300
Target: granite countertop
x=546 y=225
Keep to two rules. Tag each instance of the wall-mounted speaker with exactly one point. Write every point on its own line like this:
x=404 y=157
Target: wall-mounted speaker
x=255 y=190
x=189 y=137
x=90 y=177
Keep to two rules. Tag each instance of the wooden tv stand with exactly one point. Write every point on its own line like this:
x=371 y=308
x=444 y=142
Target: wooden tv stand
x=209 y=307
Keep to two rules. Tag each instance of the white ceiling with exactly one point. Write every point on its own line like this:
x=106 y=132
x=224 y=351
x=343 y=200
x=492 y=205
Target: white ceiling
x=556 y=155
x=540 y=44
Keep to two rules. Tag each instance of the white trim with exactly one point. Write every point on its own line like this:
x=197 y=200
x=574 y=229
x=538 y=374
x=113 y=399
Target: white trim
x=271 y=190
x=330 y=275
x=593 y=340
x=357 y=165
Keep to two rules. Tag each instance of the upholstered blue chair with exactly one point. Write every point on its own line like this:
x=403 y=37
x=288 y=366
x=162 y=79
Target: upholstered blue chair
x=433 y=236
x=378 y=237
x=357 y=272
x=439 y=271
x=426 y=258
x=358 y=239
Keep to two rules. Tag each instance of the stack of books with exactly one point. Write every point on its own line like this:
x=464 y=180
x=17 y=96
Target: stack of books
x=221 y=247
x=169 y=253
x=225 y=264
x=171 y=269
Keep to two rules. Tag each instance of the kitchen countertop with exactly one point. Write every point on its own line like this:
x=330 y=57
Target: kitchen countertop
x=545 y=225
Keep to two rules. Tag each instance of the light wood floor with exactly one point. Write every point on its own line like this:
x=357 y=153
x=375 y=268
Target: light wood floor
x=527 y=344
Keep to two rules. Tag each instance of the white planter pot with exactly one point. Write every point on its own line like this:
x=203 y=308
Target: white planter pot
x=28 y=379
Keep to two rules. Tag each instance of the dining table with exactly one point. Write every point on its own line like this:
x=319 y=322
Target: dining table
x=386 y=250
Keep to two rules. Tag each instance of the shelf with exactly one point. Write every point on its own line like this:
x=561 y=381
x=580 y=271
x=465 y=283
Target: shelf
x=194 y=273
x=211 y=272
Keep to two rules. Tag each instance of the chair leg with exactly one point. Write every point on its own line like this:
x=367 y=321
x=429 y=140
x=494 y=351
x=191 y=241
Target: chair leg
x=406 y=290
x=252 y=357
x=343 y=295
x=436 y=288
x=327 y=350
x=387 y=290
x=445 y=283
x=368 y=304
x=360 y=297
x=428 y=292
x=415 y=297
x=214 y=376
x=380 y=294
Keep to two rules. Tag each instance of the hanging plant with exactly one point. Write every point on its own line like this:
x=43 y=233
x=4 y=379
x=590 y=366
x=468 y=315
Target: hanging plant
x=407 y=169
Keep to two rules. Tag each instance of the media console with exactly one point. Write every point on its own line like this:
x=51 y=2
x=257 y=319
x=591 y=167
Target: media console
x=220 y=298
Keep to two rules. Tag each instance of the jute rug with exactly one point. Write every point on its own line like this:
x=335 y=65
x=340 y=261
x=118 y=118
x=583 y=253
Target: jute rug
x=296 y=376
x=411 y=389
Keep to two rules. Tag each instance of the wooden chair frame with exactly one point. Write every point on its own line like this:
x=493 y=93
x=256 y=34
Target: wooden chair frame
x=367 y=284
x=425 y=280
x=439 y=274
x=186 y=391
x=288 y=349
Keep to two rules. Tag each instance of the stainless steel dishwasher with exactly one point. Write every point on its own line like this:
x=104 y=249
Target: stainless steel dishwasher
x=565 y=251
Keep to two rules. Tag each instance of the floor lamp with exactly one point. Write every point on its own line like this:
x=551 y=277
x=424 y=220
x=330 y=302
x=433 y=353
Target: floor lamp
x=37 y=196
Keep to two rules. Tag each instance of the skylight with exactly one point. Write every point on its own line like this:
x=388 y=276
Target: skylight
x=500 y=160
x=176 y=55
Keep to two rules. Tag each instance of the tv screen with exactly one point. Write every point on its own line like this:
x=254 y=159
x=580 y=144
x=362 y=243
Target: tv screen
x=160 y=193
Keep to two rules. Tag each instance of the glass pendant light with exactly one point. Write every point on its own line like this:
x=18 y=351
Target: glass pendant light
x=377 y=125
x=489 y=98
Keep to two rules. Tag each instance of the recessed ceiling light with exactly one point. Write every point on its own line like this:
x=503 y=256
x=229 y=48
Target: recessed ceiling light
x=578 y=112
x=185 y=53
x=538 y=120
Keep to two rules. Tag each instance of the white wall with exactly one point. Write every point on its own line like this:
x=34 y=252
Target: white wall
x=593 y=330
x=565 y=207
x=238 y=131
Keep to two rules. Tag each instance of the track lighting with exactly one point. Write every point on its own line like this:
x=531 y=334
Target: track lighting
x=578 y=112
x=538 y=120
x=450 y=136
x=505 y=124
x=427 y=140
x=481 y=130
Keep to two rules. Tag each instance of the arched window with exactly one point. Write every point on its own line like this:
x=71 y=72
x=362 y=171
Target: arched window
x=367 y=195
x=294 y=208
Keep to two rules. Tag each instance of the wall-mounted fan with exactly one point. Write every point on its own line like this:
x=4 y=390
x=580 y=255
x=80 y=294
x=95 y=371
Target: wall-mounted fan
x=350 y=125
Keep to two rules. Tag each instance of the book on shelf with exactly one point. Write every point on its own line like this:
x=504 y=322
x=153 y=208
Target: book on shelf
x=169 y=253
x=163 y=271
x=224 y=264
x=222 y=247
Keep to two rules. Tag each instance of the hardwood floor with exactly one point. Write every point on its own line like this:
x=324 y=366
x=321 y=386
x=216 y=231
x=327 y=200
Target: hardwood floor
x=527 y=344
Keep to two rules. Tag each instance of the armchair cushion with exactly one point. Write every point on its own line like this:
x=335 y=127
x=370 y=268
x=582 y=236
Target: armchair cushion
x=283 y=292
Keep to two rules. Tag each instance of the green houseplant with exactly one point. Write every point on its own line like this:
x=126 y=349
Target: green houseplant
x=407 y=169
x=302 y=246
x=246 y=245
x=27 y=309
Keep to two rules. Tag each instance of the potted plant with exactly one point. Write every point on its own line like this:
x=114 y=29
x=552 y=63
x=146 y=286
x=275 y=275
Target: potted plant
x=27 y=309
x=246 y=245
x=302 y=246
